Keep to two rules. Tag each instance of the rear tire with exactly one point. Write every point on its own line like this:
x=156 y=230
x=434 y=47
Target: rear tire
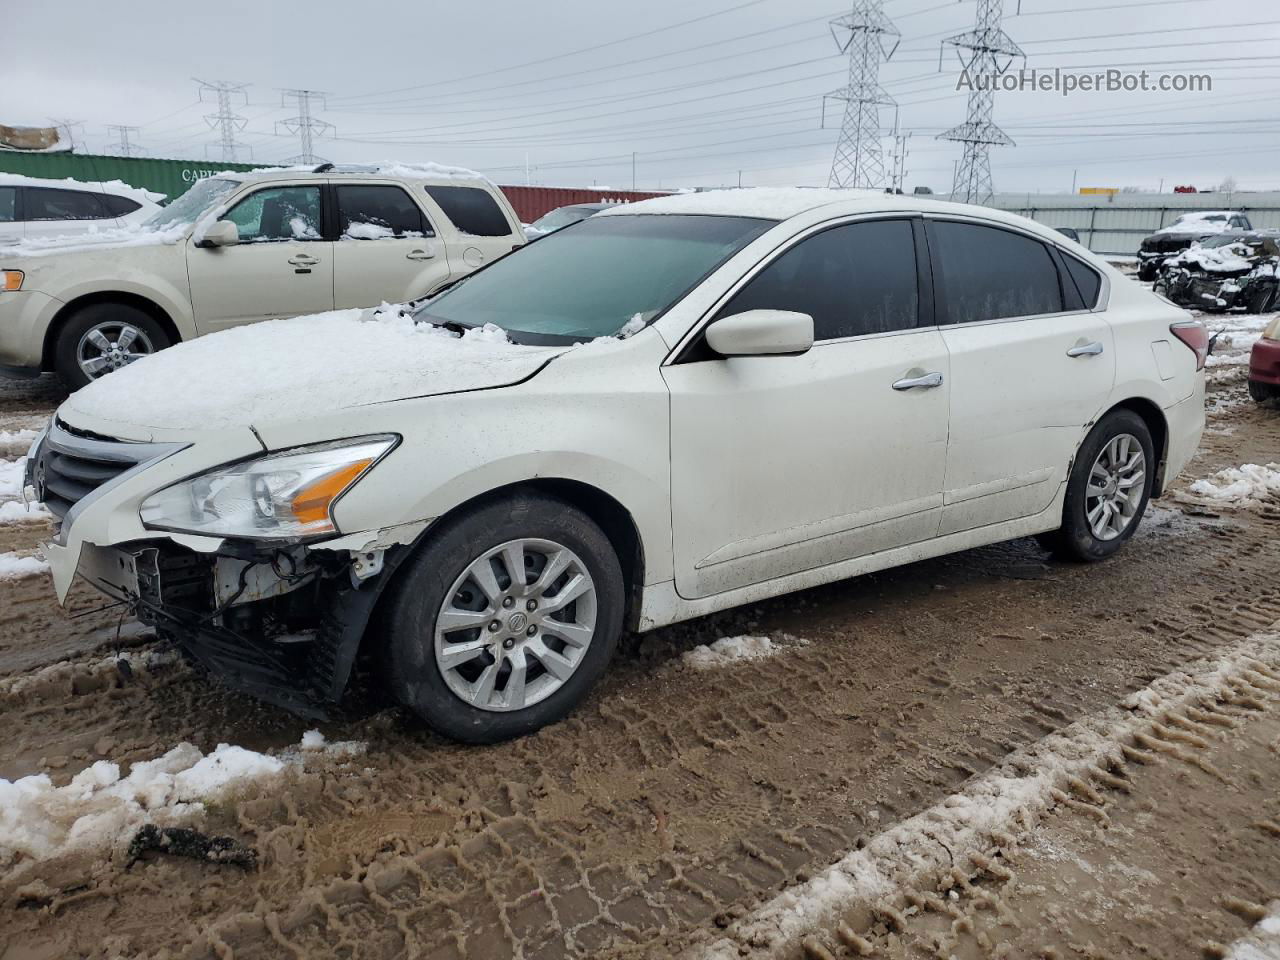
x=1261 y=392
x=107 y=336
x=468 y=680
x=1108 y=489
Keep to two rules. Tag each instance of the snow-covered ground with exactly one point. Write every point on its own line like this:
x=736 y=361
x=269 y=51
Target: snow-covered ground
x=1243 y=486
x=14 y=566
x=731 y=650
x=1263 y=941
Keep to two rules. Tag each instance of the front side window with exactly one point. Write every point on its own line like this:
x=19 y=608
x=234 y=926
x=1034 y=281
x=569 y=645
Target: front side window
x=853 y=280
x=378 y=212
x=43 y=203
x=471 y=210
x=595 y=277
x=8 y=203
x=277 y=213
x=991 y=274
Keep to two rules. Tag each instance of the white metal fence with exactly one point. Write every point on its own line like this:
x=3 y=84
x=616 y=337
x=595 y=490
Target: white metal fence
x=1116 y=225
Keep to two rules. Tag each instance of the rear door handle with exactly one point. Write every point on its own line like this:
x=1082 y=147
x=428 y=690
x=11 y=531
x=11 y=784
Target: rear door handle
x=1091 y=349
x=304 y=260
x=926 y=382
x=419 y=255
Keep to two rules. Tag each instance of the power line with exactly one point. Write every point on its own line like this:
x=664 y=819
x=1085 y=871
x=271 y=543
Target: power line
x=226 y=121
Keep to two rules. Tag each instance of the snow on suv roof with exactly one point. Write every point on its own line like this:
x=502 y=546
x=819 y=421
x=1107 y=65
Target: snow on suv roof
x=403 y=171
x=780 y=203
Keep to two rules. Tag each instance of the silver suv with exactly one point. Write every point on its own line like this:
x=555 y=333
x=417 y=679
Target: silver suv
x=237 y=248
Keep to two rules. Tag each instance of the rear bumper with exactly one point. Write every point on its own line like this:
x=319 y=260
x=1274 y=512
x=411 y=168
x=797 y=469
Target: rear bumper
x=1185 y=420
x=1264 y=363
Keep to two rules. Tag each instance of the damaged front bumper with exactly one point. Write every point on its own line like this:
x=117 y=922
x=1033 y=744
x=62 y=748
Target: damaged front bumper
x=281 y=621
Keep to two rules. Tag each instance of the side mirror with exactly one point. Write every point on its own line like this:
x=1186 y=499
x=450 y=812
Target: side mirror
x=221 y=233
x=761 y=333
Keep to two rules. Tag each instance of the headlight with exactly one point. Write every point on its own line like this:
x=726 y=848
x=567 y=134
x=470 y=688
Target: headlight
x=283 y=495
x=11 y=279
x=1273 y=330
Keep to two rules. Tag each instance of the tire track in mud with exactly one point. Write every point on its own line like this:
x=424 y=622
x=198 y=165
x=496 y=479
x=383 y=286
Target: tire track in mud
x=674 y=801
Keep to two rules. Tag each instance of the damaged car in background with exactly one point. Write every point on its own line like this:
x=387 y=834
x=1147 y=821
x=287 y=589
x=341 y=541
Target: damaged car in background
x=1231 y=271
x=633 y=422
x=1182 y=233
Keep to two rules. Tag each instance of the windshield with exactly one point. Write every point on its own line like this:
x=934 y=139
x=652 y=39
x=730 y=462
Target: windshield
x=561 y=218
x=595 y=277
x=188 y=207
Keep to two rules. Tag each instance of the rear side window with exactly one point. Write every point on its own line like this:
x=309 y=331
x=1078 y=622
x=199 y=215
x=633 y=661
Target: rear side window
x=991 y=274
x=1086 y=280
x=43 y=203
x=471 y=210
x=853 y=280
x=119 y=206
x=8 y=203
x=378 y=212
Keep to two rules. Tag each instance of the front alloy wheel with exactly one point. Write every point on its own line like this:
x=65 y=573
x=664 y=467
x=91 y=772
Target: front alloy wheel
x=503 y=618
x=516 y=624
x=109 y=346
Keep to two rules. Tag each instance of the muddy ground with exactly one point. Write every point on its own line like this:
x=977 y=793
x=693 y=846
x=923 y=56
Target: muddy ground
x=678 y=800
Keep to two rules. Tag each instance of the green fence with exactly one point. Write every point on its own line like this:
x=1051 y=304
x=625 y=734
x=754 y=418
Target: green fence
x=170 y=177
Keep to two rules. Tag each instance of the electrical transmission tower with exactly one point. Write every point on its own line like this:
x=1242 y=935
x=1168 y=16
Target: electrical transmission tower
x=859 y=160
x=225 y=120
x=304 y=125
x=123 y=147
x=990 y=51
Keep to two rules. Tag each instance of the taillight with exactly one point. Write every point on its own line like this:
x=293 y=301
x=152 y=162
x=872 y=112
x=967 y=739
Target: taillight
x=1195 y=336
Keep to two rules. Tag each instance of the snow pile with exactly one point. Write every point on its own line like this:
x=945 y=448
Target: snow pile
x=136 y=235
x=1241 y=486
x=1200 y=221
x=11 y=476
x=1233 y=258
x=16 y=443
x=1262 y=942
x=314 y=742
x=975 y=823
x=729 y=650
x=16 y=567
x=99 y=809
x=376 y=231
x=303 y=367
x=15 y=511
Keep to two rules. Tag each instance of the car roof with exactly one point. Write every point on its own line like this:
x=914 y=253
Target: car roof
x=782 y=203
x=435 y=174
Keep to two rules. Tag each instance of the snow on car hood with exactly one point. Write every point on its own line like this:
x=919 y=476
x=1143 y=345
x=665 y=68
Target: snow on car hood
x=300 y=368
x=130 y=236
x=1199 y=223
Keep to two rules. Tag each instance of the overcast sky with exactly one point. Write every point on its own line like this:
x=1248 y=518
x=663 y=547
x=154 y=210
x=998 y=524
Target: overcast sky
x=575 y=87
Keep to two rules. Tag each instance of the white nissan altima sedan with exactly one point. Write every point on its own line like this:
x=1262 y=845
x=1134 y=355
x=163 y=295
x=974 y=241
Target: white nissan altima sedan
x=671 y=408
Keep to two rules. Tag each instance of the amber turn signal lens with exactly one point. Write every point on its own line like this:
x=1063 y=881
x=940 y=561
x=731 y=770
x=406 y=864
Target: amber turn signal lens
x=12 y=279
x=311 y=505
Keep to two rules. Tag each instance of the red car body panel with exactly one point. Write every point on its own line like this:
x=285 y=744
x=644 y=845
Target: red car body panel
x=1264 y=362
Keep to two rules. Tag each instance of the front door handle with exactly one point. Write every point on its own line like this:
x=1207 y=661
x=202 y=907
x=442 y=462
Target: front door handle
x=1091 y=349
x=304 y=260
x=419 y=255
x=926 y=382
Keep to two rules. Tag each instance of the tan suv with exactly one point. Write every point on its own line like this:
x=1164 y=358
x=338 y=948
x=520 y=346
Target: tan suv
x=237 y=248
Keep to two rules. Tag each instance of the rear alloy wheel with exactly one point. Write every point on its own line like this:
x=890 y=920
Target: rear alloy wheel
x=504 y=618
x=102 y=338
x=1107 y=492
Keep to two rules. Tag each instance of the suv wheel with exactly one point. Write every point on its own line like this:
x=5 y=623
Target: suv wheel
x=1107 y=493
x=505 y=619
x=104 y=337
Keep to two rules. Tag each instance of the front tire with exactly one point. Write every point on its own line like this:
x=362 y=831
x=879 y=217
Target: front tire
x=1107 y=492
x=1262 y=392
x=104 y=337
x=505 y=619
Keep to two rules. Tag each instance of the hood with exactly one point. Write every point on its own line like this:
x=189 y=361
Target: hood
x=134 y=235
x=299 y=368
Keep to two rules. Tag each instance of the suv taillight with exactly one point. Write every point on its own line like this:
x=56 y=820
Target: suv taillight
x=1195 y=336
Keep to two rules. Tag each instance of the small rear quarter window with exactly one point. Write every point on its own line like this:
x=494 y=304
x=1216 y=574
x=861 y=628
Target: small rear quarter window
x=1086 y=279
x=472 y=210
